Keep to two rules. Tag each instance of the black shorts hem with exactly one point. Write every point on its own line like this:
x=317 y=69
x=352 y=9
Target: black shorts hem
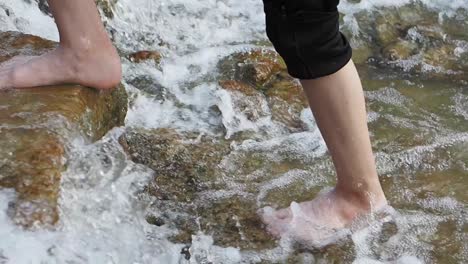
x=305 y=70
x=306 y=33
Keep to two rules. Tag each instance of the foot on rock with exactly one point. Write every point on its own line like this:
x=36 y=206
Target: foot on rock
x=99 y=69
x=321 y=221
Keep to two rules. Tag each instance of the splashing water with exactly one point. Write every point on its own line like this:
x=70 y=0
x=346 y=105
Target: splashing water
x=419 y=131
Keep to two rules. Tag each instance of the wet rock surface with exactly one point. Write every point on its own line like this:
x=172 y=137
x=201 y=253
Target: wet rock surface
x=413 y=63
x=214 y=186
x=145 y=55
x=261 y=74
x=37 y=126
x=412 y=37
x=187 y=170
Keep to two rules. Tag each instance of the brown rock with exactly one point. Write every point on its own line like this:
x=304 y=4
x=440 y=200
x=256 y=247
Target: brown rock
x=15 y=43
x=261 y=74
x=258 y=66
x=255 y=67
x=400 y=49
x=145 y=55
x=186 y=167
x=440 y=56
x=179 y=166
x=36 y=127
x=232 y=85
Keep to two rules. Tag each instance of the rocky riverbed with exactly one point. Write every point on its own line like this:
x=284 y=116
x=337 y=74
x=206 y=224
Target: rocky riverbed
x=216 y=129
x=36 y=125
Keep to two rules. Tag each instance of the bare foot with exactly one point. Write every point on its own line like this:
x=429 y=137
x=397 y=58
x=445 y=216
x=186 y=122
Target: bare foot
x=14 y=61
x=318 y=221
x=99 y=69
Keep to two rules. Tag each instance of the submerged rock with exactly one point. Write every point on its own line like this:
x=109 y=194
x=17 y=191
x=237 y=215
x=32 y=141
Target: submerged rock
x=183 y=167
x=400 y=50
x=413 y=38
x=187 y=174
x=37 y=126
x=145 y=55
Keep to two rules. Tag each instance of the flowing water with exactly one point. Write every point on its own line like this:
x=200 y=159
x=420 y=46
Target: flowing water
x=418 y=115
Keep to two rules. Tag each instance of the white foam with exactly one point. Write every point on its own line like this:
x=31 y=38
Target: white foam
x=460 y=106
x=101 y=216
x=203 y=251
x=23 y=17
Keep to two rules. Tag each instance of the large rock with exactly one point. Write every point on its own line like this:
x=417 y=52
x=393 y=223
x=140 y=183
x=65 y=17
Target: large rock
x=255 y=67
x=188 y=172
x=37 y=125
x=261 y=73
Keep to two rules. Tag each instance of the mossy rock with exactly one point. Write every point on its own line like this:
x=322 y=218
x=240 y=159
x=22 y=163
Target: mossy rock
x=186 y=169
x=182 y=169
x=411 y=38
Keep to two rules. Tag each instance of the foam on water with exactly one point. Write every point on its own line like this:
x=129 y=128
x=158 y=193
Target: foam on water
x=210 y=30
x=421 y=158
x=195 y=115
x=101 y=215
x=281 y=181
x=461 y=105
x=21 y=16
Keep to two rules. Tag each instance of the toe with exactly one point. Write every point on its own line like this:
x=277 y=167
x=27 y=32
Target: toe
x=266 y=214
x=274 y=225
x=283 y=214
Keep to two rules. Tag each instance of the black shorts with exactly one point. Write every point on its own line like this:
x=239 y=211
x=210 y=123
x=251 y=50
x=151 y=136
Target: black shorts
x=306 y=34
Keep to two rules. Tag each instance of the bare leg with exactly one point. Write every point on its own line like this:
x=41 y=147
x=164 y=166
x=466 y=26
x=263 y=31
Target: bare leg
x=85 y=55
x=337 y=102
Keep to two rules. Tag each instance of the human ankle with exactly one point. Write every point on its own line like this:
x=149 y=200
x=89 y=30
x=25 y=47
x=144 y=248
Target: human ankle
x=364 y=196
x=83 y=65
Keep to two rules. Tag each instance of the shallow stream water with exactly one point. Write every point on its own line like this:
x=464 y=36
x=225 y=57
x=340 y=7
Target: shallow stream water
x=418 y=116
